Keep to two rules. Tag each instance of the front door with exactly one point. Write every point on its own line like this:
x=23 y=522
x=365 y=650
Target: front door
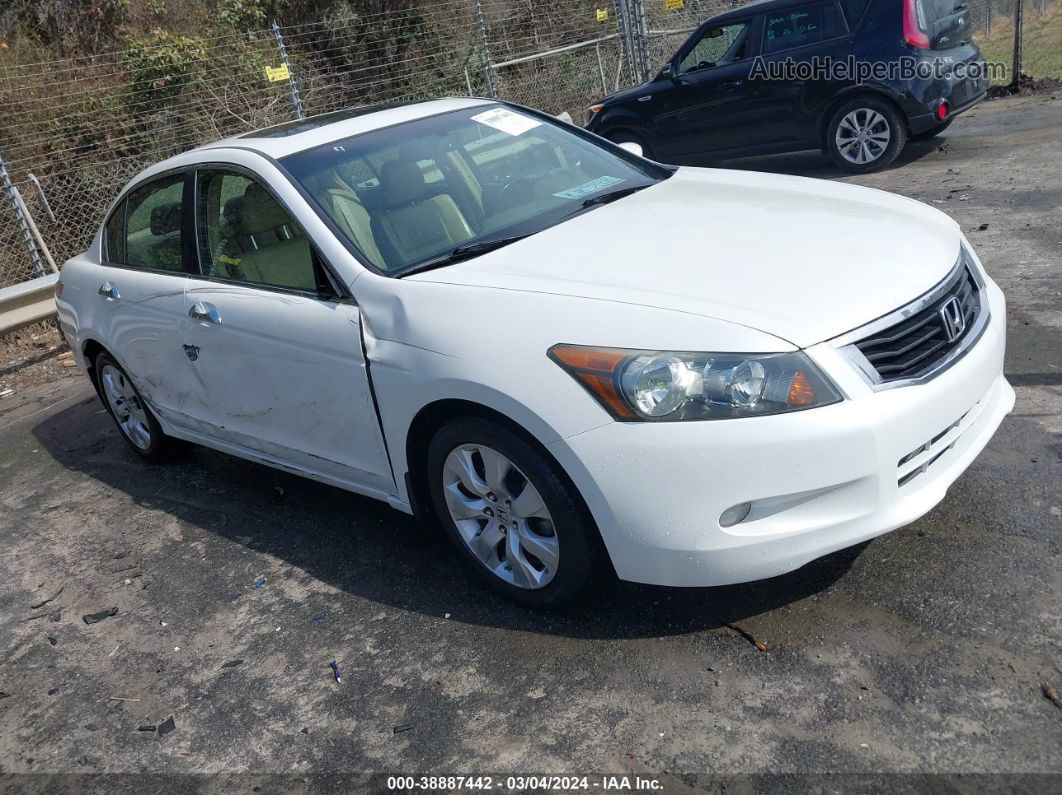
x=277 y=351
x=702 y=109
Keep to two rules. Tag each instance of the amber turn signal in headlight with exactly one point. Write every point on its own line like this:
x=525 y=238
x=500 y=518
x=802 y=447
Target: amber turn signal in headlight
x=670 y=386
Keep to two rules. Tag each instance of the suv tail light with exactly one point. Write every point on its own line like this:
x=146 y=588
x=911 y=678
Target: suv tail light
x=58 y=289
x=914 y=24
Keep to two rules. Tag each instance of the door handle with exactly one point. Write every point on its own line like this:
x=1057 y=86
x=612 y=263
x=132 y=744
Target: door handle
x=108 y=290
x=205 y=313
x=733 y=83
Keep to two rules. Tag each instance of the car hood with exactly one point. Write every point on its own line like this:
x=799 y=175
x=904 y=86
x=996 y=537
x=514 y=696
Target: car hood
x=802 y=259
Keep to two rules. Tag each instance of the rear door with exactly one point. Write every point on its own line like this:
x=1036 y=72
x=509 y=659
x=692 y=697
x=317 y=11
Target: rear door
x=277 y=344
x=140 y=313
x=703 y=108
x=785 y=107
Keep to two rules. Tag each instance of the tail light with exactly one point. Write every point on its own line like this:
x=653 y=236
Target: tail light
x=58 y=289
x=914 y=23
x=942 y=111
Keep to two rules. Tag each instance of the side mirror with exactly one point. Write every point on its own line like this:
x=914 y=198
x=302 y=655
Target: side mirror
x=667 y=72
x=632 y=147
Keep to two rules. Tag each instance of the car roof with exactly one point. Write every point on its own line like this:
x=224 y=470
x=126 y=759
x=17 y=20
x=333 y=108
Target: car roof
x=757 y=7
x=301 y=134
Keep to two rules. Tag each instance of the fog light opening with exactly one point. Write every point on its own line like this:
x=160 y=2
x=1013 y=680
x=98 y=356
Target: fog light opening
x=737 y=513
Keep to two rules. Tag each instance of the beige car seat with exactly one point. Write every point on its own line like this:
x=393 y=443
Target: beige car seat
x=413 y=223
x=280 y=255
x=351 y=215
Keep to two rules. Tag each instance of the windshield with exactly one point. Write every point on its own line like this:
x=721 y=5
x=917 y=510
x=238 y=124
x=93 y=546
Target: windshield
x=414 y=193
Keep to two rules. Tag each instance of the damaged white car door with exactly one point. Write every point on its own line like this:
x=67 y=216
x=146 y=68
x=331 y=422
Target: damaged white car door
x=275 y=341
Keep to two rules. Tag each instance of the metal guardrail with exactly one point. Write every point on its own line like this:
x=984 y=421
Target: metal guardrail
x=28 y=302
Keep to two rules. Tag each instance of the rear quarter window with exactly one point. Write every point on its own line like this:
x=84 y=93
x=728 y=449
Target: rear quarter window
x=799 y=27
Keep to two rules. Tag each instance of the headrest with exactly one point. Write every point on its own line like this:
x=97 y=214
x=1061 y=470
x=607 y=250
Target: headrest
x=339 y=185
x=233 y=210
x=165 y=218
x=402 y=182
x=261 y=212
x=232 y=214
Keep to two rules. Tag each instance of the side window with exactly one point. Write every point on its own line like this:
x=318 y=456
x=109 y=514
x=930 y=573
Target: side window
x=717 y=46
x=153 y=226
x=114 y=238
x=787 y=30
x=853 y=10
x=245 y=235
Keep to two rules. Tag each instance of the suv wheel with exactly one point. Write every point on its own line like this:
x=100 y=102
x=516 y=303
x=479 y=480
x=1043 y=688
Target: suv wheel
x=510 y=513
x=865 y=134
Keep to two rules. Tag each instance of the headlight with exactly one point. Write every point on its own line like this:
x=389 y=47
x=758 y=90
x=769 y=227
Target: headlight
x=666 y=385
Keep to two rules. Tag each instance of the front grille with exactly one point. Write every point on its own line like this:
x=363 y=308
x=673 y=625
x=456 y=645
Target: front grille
x=917 y=344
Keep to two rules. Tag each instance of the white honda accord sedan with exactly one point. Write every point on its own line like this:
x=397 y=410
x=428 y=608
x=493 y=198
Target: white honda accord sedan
x=566 y=355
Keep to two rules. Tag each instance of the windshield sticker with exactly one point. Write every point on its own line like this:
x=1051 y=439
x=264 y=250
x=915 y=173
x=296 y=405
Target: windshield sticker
x=593 y=186
x=507 y=121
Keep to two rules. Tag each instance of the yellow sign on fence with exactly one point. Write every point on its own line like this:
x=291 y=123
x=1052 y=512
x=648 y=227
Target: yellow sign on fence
x=674 y=5
x=602 y=15
x=277 y=74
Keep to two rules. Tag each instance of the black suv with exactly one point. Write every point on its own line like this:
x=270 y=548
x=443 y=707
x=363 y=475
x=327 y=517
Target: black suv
x=856 y=78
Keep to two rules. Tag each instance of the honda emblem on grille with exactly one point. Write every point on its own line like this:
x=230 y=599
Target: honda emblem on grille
x=953 y=319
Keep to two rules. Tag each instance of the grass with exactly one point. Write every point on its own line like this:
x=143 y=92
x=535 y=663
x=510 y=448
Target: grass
x=1041 y=44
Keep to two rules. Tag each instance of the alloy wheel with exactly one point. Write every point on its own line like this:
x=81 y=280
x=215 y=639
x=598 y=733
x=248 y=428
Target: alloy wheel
x=125 y=404
x=862 y=136
x=500 y=516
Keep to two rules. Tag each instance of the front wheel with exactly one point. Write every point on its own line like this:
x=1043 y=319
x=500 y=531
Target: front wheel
x=510 y=513
x=865 y=134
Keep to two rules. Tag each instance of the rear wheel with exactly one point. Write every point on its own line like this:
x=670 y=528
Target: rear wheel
x=510 y=513
x=932 y=131
x=865 y=134
x=130 y=412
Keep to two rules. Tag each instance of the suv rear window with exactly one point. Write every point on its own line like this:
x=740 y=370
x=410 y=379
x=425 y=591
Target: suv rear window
x=798 y=27
x=946 y=22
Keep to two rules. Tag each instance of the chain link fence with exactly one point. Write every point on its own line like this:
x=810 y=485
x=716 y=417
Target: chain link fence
x=74 y=131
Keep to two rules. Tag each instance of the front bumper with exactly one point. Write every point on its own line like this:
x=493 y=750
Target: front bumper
x=819 y=480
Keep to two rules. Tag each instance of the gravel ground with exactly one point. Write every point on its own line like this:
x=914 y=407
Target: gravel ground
x=929 y=650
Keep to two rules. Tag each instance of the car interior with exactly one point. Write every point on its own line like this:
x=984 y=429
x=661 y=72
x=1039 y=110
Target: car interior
x=153 y=226
x=250 y=236
x=402 y=205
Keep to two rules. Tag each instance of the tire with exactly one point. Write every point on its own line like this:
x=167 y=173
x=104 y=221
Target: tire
x=932 y=132
x=630 y=138
x=566 y=541
x=132 y=416
x=884 y=130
